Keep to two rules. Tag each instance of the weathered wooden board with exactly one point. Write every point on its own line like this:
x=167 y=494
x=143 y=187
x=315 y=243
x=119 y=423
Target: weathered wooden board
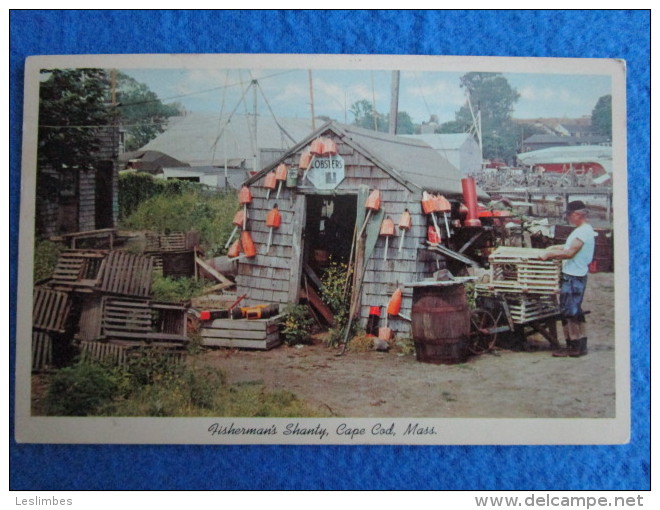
x=42 y=350
x=243 y=333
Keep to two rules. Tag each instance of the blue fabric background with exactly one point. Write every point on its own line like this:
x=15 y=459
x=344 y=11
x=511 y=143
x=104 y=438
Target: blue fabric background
x=619 y=34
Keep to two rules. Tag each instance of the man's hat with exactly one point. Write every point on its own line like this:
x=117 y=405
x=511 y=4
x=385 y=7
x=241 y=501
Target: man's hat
x=575 y=205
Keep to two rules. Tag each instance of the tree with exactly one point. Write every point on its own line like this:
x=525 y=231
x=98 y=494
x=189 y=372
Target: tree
x=493 y=97
x=601 y=116
x=141 y=112
x=72 y=107
x=363 y=113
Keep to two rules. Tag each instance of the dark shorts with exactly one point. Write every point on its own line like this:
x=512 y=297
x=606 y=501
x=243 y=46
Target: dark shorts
x=571 y=295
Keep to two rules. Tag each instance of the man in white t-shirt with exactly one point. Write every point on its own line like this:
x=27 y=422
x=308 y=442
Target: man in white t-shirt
x=576 y=254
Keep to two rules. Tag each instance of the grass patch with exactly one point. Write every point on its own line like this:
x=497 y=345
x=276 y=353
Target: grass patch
x=176 y=290
x=46 y=254
x=210 y=213
x=152 y=386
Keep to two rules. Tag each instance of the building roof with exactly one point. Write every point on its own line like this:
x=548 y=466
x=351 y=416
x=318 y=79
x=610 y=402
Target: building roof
x=445 y=141
x=566 y=155
x=206 y=139
x=566 y=140
x=411 y=161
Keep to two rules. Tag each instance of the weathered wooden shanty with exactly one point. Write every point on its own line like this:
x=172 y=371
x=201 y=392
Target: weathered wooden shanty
x=324 y=207
x=81 y=199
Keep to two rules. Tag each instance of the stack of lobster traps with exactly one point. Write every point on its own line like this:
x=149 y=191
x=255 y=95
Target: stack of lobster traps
x=100 y=299
x=521 y=287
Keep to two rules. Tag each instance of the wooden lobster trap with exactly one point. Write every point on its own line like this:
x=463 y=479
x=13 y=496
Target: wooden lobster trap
x=522 y=298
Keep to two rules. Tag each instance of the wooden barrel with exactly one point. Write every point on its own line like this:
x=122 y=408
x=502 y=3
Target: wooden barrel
x=440 y=324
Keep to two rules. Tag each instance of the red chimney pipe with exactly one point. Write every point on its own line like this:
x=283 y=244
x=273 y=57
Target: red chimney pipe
x=470 y=197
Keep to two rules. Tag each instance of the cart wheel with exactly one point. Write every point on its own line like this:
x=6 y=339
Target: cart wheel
x=481 y=339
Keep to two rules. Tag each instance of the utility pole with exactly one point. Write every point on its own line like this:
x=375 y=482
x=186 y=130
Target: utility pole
x=394 y=102
x=311 y=98
x=254 y=109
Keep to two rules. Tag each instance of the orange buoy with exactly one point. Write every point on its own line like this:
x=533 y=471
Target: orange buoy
x=373 y=201
x=405 y=224
x=372 y=204
x=317 y=147
x=245 y=196
x=273 y=220
x=427 y=203
x=235 y=250
x=394 y=306
x=280 y=175
x=444 y=207
x=305 y=160
x=329 y=147
x=387 y=230
x=247 y=244
x=433 y=235
x=270 y=183
x=238 y=221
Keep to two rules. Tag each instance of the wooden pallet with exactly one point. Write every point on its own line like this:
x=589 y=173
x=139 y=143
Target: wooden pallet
x=261 y=334
x=50 y=309
x=119 y=353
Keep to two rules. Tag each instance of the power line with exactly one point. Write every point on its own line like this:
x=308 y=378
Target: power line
x=205 y=91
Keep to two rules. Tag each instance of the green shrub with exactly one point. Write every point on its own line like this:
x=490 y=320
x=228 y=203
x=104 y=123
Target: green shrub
x=333 y=283
x=82 y=389
x=298 y=324
x=175 y=290
x=182 y=208
x=46 y=254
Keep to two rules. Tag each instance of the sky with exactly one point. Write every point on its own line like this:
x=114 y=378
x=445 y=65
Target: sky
x=422 y=93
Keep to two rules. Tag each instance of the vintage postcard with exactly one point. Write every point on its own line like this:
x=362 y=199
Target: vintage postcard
x=323 y=249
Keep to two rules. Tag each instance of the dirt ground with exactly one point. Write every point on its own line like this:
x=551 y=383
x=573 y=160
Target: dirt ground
x=504 y=384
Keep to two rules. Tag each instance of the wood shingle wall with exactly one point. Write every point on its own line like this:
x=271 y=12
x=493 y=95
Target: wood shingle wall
x=275 y=277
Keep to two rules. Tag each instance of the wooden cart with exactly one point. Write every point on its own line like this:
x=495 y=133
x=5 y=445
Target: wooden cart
x=521 y=297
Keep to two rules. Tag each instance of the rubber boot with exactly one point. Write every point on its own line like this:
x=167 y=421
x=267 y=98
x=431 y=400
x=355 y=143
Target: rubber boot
x=572 y=347
x=581 y=349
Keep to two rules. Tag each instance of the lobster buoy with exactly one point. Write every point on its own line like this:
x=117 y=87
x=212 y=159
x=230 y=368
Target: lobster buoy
x=394 y=306
x=248 y=245
x=270 y=183
x=280 y=175
x=245 y=196
x=235 y=249
x=305 y=160
x=329 y=147
x=317 y=147
x=405 y=224
x=387 y=230
x=433 y=235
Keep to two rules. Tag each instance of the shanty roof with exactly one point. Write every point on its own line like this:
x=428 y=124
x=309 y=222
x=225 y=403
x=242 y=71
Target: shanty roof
x=411 y=161
x=206 y=140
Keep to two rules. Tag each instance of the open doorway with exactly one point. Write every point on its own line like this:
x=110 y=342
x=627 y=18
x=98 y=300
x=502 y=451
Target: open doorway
x=328 y=237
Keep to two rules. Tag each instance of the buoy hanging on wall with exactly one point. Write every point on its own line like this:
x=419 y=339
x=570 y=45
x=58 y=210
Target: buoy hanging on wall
x=247 y=244
x=245 y=198
x=273 y=220
x=270 y=183
x=387 y=231
x=238 y=222
x=280 y=175
x=405 y=224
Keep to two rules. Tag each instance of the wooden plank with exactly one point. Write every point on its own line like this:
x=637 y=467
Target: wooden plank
x=246 y=324
x=267 y=343
x=213 y=272
x=297 y=227
x=317 y=303
x=238 y=334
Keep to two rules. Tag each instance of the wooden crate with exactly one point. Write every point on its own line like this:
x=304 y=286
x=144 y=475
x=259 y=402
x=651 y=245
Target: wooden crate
x=120 y=352
x=78 y=268
x=261 y=334
x=114 y=317
x=520 y=270
x=50 y=309
x=127 y=274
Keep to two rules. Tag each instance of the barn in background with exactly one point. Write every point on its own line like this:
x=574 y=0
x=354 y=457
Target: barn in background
x=322 y=205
